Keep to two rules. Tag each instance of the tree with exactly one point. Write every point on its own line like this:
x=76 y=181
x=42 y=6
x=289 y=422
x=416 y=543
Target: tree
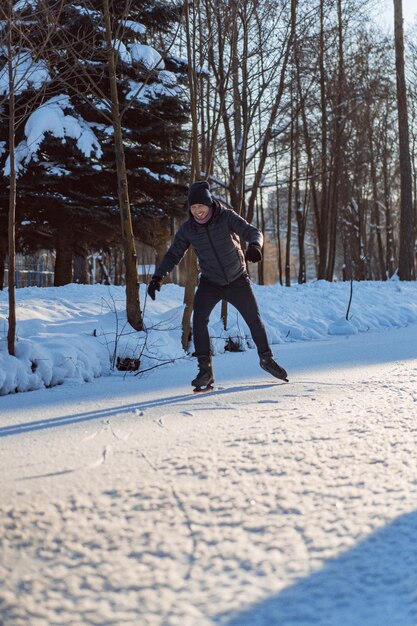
x=407 y=225
x=191 y=258
x=22 y=71
x=412 y=93
x=116 y=79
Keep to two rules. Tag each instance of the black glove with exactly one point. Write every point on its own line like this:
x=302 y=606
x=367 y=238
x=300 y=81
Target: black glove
x=154 y=285
x=253 y=253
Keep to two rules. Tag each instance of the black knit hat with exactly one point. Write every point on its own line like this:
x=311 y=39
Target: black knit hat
x=199 y=193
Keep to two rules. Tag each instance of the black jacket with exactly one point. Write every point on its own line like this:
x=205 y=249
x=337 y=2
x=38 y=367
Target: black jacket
x=216 y=243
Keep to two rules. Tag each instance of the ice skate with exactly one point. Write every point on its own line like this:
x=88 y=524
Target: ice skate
x=204 y=379
x=269 y=365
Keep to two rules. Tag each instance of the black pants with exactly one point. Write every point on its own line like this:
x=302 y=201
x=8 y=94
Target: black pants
x=239 y=294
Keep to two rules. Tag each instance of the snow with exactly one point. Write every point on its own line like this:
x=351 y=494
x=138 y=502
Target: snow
x=122 y=51
x=145 y=93
x=146 y=55
x=24 y=4
x=104 y=128
x=51 y=118
x=27 y=74
x=136 y=27
x=183 y=62
x=87 y=12
x=167 y=78
x=129 y=500
x=156 y=176
x=52 y=169
x=73 y=332
x=178 y=168
x=139 y=53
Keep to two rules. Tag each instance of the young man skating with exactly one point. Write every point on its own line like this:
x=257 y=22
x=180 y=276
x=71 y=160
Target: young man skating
x=214 y=233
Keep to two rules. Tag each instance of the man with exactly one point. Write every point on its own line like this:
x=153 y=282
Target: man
x=214 y=233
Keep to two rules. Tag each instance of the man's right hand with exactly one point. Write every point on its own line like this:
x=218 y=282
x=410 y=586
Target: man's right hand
x=154 y=286
x=253 y=253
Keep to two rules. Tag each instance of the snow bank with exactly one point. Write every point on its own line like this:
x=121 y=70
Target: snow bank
x=76 y=332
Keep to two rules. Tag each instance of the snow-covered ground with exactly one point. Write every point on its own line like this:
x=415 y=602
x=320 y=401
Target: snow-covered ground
x=129 y=500
x=75 y=332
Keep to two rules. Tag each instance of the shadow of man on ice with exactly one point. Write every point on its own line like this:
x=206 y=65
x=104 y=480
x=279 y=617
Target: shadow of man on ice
x=373 y=584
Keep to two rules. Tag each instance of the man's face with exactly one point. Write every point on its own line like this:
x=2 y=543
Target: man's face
x=199 y=211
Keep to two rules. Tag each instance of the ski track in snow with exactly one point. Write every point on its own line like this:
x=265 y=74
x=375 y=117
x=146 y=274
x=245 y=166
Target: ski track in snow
x=258 y=504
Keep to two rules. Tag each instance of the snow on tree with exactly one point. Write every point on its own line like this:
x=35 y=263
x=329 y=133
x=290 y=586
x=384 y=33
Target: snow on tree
x=51 y=118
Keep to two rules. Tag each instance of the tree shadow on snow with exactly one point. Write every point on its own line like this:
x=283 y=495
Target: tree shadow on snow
x=374 y=584
x=190 y=399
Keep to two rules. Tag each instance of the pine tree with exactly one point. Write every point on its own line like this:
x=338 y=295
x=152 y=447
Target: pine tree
x=68 y=199
x=153 y=110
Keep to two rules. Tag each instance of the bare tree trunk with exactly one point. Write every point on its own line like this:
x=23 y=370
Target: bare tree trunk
x=237 y=178
x=81 y=273
x=193 y=82
x=300 y=207
x=261 y=264
x=3 y=252
x=64 y=254
x=389 y=238
x=223 y=314
x=322 y=217
x=390 y=261
x=375 y=218
x=347 y=254
x=278 y=213
x=240 y=80
x=190 y=258
x=273 y=114
x=407 y=226
x=105 y=276
x=133 y=311
x=11 y=333
x=338 y=149
x=205 y=112
x=175 y=272
x=313 y=186
x=362 y=242
x=192 y=277
x=160 y=249
x=289 y=209
x=220 y=92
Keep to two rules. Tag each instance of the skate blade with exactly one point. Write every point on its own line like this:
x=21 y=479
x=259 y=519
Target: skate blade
x=203 y=389
x=285 y=380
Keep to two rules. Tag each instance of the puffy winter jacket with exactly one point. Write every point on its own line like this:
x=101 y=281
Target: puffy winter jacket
x=216 y=243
